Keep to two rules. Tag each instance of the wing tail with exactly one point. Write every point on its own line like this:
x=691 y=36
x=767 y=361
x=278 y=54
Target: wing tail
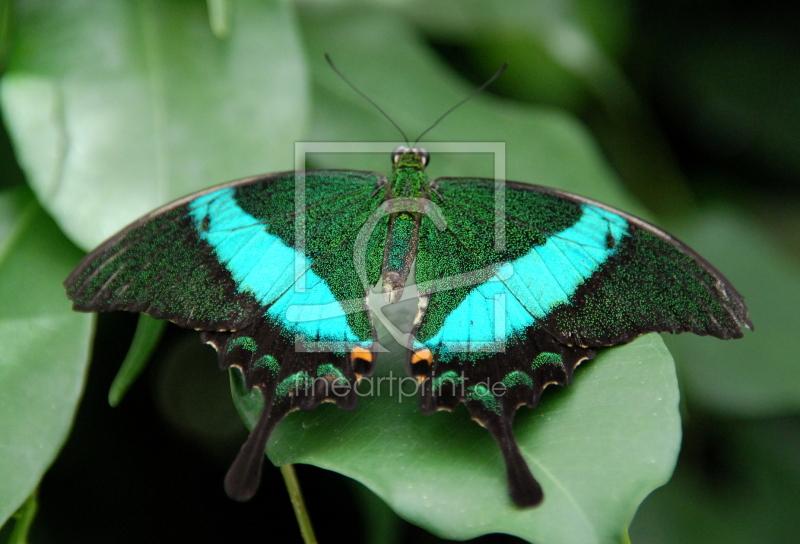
x=288 y=379
x=493 y=388
x=523 y=488
x=244 y=476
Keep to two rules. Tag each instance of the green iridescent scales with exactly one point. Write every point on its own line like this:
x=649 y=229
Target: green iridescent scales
x=653 y=286
x=224 y=261
x=469 y=242
x=159 y=268
x=331 y=223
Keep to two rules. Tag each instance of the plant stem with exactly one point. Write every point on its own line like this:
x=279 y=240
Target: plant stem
x=295 y=495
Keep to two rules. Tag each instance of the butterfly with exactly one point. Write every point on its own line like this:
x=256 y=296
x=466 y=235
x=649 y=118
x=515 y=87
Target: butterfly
x=516 y=285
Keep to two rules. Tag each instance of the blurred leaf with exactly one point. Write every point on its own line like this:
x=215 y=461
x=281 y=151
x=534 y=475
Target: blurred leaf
x=148 y=333
x=542 y=145
x=750 y=496
x=561 y=53
x=596 y=458
x=219 y=17
x=45 y=346
x=748 y=376
x=120 y=106
x=552 y=47
x=194 y=397
x=732 y=85
x=5 y=31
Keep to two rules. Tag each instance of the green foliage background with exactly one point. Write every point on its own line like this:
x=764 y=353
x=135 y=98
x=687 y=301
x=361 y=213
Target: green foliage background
x=686 y=113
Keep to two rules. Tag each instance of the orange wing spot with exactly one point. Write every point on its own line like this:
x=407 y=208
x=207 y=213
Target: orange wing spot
x=423 y=355
x=361 y=353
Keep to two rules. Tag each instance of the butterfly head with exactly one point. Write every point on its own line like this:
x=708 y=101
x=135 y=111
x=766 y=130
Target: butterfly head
x=410 y=157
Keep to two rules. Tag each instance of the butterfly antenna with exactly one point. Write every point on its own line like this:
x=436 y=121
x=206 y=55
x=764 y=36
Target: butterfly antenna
x=473 y=93
x=368 y=99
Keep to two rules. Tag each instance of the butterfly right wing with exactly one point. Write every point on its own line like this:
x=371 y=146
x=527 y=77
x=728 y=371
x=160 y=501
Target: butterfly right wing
x=572 y=275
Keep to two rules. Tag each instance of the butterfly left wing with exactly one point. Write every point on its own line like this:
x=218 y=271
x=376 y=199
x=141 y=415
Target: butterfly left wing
x=568 y=276
x=265 y=270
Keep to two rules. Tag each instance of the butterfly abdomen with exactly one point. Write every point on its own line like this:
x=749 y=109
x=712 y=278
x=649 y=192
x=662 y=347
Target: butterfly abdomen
x=401 y=249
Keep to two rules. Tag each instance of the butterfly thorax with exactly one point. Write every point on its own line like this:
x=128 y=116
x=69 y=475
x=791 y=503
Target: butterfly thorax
x=408 y=183
x=408 y=177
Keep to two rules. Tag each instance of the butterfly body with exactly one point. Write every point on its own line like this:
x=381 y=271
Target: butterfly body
x=516 y=285
x=408 y=182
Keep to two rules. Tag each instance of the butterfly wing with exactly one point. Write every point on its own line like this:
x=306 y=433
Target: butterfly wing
x=264 y=267
x=524 y=286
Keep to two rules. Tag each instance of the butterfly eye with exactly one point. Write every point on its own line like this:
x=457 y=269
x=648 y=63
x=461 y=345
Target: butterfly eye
x=399 y=152
x=423 y=154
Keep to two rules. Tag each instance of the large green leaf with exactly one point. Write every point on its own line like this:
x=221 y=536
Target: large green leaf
x=598 y=448
x=45 y=346
x=117 y=107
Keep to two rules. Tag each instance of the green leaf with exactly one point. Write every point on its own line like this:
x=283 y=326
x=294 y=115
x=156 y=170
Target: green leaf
x=557 y=51
x=45 y=346
x=598 y=448
x=148 y=333
x=747 y=494
x=5 y=26
x=752 y=375
x=542 y=145
x=219 y=17
x=24 y=520
x=118 y=107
